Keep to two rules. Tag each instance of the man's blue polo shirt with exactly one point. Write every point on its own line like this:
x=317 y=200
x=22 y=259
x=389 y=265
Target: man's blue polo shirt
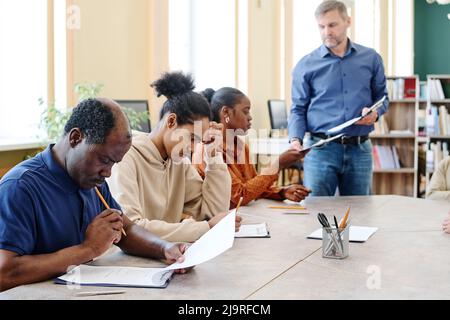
x=42 y=210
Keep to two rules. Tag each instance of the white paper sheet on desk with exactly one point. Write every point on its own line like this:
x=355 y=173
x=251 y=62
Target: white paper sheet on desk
x=357 y=234
x=290 y=202
x=117 y=277
x=216 y=241
x=257 y=230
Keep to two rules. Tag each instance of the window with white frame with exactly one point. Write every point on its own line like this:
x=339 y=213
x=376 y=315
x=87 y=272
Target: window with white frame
x=23 y=65
x=366 y=20
x=202 y=41
x=60 y=17
x=306 y=33
x=401 y=34
x=366 y=30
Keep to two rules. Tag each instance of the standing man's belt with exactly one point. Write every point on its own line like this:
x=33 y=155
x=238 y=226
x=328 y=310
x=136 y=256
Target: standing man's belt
x=344 y=139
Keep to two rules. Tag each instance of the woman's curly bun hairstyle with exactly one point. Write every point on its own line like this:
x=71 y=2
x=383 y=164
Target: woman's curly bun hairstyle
x=178 y=88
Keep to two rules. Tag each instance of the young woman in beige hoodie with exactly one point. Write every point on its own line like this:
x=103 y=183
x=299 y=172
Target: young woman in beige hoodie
x=155 y=183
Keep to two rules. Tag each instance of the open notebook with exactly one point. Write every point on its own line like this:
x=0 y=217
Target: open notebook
x=258 y=230
x=210 y=245
x=357 y=234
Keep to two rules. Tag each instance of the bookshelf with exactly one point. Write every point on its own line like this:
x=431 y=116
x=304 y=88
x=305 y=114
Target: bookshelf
x=395 y=140
x=434 y=137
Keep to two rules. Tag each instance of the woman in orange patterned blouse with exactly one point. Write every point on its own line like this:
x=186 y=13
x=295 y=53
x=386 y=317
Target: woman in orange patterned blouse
x=232 y=108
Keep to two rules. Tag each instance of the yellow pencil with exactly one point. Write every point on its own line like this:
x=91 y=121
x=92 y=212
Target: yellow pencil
x=106 y=205
x=239 y=204
x=344 y=220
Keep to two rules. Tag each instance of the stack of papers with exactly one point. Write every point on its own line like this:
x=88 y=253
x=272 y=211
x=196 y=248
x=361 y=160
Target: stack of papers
x=357 y=234
x=259 y=230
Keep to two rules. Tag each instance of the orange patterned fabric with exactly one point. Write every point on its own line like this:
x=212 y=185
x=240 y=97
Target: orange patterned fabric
x=245 y=181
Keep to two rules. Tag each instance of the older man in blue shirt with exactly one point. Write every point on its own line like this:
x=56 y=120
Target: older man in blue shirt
x=335 y=83
x=50 y=215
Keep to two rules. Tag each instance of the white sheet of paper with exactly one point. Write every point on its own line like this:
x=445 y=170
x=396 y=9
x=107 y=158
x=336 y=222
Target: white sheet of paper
x=341 y=127
x=357 y=234
x=252 y=231
x=216 y=241
x=290 y=202
x=117 y=276
x=344 y=125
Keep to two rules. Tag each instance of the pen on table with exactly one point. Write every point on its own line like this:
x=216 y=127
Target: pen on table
x=106 y=205
x=97 y=293
x=296 y=212
x=288 y=207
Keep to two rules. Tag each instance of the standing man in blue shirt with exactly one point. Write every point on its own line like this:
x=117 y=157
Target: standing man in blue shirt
x=333 y=84
x=50 y=215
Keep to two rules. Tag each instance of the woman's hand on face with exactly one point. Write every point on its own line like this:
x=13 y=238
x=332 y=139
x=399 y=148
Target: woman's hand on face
x=213 y=139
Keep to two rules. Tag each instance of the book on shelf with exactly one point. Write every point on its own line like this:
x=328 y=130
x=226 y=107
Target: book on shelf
x=385 y=158
x=410 y=88
x=401 y=88
x=423 y=90
x=437 y=120
x=401 y=132
x=436 y=89
x=436 y=153
x=443 y=120
x=429 y=163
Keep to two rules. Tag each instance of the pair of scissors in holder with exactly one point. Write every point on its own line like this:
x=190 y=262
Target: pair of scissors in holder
x=324 y=222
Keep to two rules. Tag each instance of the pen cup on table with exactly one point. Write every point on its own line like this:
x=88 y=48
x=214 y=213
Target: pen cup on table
x=335 y=242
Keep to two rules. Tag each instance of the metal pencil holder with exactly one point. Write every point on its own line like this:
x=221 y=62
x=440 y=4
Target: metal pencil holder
x=335 y=242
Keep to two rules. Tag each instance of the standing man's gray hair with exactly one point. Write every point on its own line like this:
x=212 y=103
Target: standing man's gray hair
x=331 y=5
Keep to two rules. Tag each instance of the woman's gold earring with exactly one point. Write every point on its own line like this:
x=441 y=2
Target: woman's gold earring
x=227 y=119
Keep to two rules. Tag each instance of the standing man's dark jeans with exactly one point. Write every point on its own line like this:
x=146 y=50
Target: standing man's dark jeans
x=346 y=166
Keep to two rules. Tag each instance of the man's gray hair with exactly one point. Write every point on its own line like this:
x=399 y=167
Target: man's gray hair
x=331 y=5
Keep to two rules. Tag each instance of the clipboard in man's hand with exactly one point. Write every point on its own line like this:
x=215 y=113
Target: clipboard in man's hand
x=375 y=107
x=341 y=127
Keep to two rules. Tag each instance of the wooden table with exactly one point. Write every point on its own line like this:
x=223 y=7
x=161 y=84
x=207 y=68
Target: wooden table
x=407 y=258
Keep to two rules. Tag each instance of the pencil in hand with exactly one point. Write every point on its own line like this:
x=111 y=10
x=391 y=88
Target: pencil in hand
x=239 y=204
x=106 y=205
